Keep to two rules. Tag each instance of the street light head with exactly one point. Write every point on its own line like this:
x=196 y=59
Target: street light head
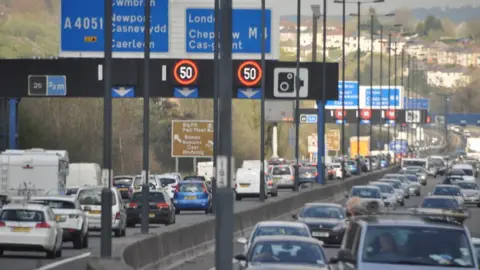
x=398 y=25
x=316 y=10
x=389 y=14
x=353 y=14
x=378 y=1
x=338 y=1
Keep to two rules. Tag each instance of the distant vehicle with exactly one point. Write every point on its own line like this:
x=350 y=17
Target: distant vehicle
x=169 y=183
x=192 y=196
x=470 y=191
x=441 y=202
x=248 y=183
x=283 y=175
x=30 y=227
x=448 y=190
x=161 y=208
x=124 y=185
x=417 y=170
x=388 y=193
x=366 y=193
x=418 y=162
x=468 y=170
x=84 y=174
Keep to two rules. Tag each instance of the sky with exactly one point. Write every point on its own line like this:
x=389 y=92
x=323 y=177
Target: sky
x=289 y=7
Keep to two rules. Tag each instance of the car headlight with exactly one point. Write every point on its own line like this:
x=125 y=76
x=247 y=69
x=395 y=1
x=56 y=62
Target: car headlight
x=423 y=177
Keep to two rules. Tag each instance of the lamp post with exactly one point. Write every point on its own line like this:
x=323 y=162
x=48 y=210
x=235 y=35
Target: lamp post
x=359 y=50
x=396 y=91
x=389 y=85
x=408 y=98
x=380 y=83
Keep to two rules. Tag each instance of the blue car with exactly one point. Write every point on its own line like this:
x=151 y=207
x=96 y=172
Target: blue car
x=383 y=163
x=352 y=167
x=192 y=196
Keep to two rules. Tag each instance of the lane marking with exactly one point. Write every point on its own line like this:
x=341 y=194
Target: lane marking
x=64 y=261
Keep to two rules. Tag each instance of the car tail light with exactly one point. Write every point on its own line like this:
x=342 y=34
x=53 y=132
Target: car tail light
x=43 y=225
x=2 y=224
x=235 y=186
x=162 y=205
x=132 y=205
x=117 y=215
x=204 y=189
x=316 y=173
x=292 y=178
x=270 y=183
x=177 y=188
x=174 y=186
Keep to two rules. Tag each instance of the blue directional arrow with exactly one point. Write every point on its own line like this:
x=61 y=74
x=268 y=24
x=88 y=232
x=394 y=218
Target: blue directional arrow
x=123 y=92
x=185 y=92
x=249 y=93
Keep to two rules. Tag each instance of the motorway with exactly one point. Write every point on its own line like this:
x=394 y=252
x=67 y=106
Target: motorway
x=32 y=260
x=207 y=262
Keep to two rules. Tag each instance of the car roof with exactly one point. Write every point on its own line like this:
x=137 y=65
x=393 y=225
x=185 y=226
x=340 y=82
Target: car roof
x=281 y=223
x=123 y=176
x=323 y=204
x=407 y=220
x=286 y=238
x=366 y=187
x=439 y=197
x=167 y=175
x=446 y=186
x=28 y=206
x=388 y=180
x=56 y=198
x=192 y=181
x=380 y=183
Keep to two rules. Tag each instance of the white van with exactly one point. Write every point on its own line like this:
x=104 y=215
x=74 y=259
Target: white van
x=248 y=183
x=468 y=170
x=84 y=174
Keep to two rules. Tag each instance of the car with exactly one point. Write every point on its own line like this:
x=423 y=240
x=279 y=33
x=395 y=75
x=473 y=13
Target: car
x=271 y=186
x=161 y=209
x=417 y=239
x=307 y=174
x=284 y=252
x=417 y=170
x=195 y=178
x=365 y=193
x=470 y=191
x=30 y=227
x=440 y=202
x=275 y=228
x=468 y=170
x=153 y=183
x=476 y=245
x=248 y=184
x=338 y=170
x=415 y=188
x=452 y=179
x=169 y=183
x=403 y=182
x=397 y=186
x=283 y=175
x=70 y=217
x=192 y=195
x=352 y=167
x=330 y=172
x=325 y=220
x=90 y=200
x=388 y=193
x=456 y=172
x=448 y=190
x=124 y=185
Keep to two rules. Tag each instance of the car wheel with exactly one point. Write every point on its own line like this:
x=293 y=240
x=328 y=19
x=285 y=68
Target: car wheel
x=58 y=253
x=118 y=232
x=78 y=241
x=1 y=252
x=51 y=254
x=402 y=204
x=177 y=211
x=275 y=193
x=85 y=240
x=124 y=231
x=238 y=197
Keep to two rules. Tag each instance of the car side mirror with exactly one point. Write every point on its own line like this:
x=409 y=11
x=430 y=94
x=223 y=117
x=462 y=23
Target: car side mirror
x=240 y=257
x=333 y=260
x=429 y=194
x=242 y=240
x=87 y=208
x=345 y=255
x=346 y=194
x=295 y=216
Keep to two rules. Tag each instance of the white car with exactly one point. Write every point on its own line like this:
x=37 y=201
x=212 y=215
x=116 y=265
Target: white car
x=69 y=216
x=275 y=228
x=169 y=182
x=30 y=227
x=283 y=176
x=470 y=191
x=449 y=190
x=388 y=193
x=468 y=170
x=90 y=200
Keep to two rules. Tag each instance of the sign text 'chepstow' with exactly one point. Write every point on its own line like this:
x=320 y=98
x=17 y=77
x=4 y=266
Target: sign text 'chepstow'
x=192 y=138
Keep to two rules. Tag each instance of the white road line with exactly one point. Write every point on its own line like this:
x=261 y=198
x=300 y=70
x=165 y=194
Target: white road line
x=67 y=260
x=213 y=268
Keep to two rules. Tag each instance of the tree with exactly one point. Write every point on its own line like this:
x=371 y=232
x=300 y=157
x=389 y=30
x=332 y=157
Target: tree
x=432 y=23
x=420 y=29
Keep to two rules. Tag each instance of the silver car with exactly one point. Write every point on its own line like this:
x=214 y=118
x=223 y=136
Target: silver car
x=283 y=176
x=470 y=191
x=403 y=181
x=397 y=186
x=388 y=193
x=418 y=171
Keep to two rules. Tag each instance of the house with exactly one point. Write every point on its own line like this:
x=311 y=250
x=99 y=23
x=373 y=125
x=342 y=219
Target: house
x=448 y=77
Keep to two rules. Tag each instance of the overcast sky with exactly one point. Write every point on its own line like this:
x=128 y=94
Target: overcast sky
x=289 y=6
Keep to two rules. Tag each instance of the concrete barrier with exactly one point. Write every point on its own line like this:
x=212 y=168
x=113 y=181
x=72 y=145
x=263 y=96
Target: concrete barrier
x=182 y=243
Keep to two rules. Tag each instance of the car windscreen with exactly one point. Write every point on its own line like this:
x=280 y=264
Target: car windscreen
x=322 y=212
x=139 y=180
x=449 y=191
x=467 y=185
x=191 y=187
x=365 y=193
x=167 y=181
x=307 y=170
x=468 y=172
x=395 y=184
x=386 y=188
x=152 y=197
x=122 y=181
x=456 y=172
x=442 y=203
x=56 y=204
x=92 y=197
x=22 y=215
x=411 y=178
x=424 y=246
x=281 y=171
x=420 y=163
x=280 y=230
x=287 y=252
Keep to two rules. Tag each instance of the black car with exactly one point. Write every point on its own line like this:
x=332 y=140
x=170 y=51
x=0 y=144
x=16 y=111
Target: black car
x=161 y=208
x=124 y=185
x=325 y=220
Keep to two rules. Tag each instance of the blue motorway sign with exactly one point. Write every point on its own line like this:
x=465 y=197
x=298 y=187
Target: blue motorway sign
x=246 y=30
x=351 y=96
x=383 y=98
x=416 y=103
x=82 y=26
x=399 y=147
x=56 y=85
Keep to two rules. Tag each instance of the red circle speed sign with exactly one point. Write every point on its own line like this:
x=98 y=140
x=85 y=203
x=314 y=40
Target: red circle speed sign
x=339 y=114
x=366 y=114
x=391 y=114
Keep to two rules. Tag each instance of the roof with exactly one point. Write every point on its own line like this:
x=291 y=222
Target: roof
x=324 y=204
x=29 y=206
x=282 y=223
x=57 y=198
x=443 y=185
x=439 y=197
x=286 y=238
x=367 y=187
x=407 y=220
x=123 y=176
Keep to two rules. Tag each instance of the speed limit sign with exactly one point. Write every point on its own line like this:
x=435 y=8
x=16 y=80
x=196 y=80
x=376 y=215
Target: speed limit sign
x=249 y=73
x=185 y=72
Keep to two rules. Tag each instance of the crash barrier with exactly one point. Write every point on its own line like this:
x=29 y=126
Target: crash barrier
x=182 y=243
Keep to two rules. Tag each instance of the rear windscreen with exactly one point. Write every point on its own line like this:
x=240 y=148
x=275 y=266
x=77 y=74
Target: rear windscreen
x=191 y=187
x=281 y=171
x=92 y=197
x=467 y=172
x=56 y=204
x=22 y=215
x=167 y=181
x=152 y=197
x=122 y=181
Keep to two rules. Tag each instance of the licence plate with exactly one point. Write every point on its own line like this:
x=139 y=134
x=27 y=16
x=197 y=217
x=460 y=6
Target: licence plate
x=244 y=185
x=190 y=197
x=123 y=189
x=136 y=188
x=95 y=212
x=320 y=234
x=151 y=215
x=21 y=229
x=58 y=218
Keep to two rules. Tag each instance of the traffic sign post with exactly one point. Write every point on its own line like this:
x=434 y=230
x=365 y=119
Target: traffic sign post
x=192 y=138
x=308 y=119
x=83 y=25
x=246 y=30
x=47 y=85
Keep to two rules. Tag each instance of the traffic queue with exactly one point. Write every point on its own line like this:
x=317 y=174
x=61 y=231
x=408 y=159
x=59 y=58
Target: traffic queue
x=372 y=230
